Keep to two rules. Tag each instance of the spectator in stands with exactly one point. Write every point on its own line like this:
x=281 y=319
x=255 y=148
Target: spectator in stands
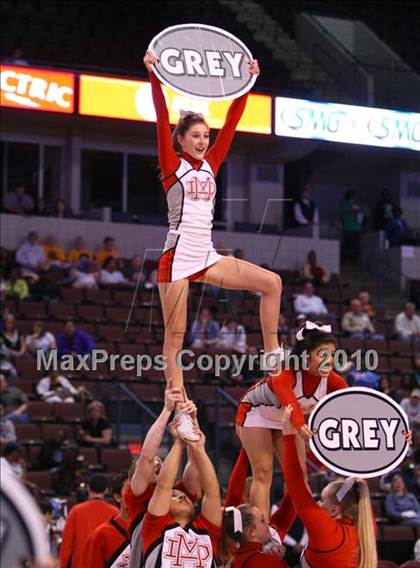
x=13 y=342
x=62 y=210
x=12 y=459
x=56 y=388
x=15 y=402
x=233 y=336
x=18 y=201
x=367 y=307
x=82 y=520
x=85 y=274
x=352 y=216
x=411 y=406
x=30 y=255
x=79 y=249
x=73 y=341
x=109 y=275
x=397 y=230
x=39 y=339
x=407 y=323
x=315 y=272
x=16 y=287
x=134 y=273
x=407 y=470
x=384 y=211
x=107 y=250
x=16 y=57
x=41 y=209
x=402 y=507
x=205 y=331
x=7 y=428
x=54 y=252
x=305 y=210
x=96 y=430
x=310 y=305
x=357 y=324
x=386 y=387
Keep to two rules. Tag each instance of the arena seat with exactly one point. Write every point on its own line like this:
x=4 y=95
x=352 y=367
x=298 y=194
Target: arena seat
x=410 y=564
x=90 y=455
x=51 y=430
x=115 y=459
x=41 y=479
x=33 y=310
x=26 y=369
x=61 y=311
x=90 y=313
x=69 y=294
x=69 y=412
x=397 y=533
x=399 y=347
x=102 y=296
x=40 y=411
x=387 y=564
x=27 y=433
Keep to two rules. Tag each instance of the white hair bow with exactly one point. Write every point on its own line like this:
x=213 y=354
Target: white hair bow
x=237 y=519
x=185 y=113
x=345 y=488
x=312 y=325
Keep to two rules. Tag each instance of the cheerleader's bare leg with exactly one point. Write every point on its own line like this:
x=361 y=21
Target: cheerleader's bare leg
x=258 y=444
x=236 y=274
x=174 y=299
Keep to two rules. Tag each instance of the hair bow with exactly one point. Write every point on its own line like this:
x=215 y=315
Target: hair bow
x=345 y=488
x=312 y=325
x=185 y=113
x=237 y=519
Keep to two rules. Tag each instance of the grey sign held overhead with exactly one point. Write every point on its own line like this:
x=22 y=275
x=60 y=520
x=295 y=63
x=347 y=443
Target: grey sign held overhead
x=359 y=432
x=202 y=62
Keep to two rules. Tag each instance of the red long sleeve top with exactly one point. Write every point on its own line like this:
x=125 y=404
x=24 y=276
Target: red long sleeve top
x=168 y=159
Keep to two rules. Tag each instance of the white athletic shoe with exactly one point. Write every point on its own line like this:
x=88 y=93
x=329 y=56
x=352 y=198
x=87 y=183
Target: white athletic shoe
x=273 y=360
x=186 y=427
x=274 y=545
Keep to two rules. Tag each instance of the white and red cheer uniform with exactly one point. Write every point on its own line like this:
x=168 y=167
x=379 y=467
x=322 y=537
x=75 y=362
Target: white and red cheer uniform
x=166 y=544
x=190 y=187
x=263 y=404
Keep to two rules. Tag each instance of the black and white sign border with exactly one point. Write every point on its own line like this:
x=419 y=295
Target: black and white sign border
x=375 y=394
x=247 y=87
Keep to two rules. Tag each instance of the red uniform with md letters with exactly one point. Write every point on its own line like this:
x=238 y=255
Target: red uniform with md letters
x=166 y=544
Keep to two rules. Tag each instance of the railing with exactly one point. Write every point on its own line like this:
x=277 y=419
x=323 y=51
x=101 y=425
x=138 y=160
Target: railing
x=384 y=270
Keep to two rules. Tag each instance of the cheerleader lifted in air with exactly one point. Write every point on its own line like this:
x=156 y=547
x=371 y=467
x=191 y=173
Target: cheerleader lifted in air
x=189 y=166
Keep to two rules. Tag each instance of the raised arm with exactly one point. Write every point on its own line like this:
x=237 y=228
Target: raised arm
x=160 y=502
x=143 y=474
x=324 y=533
x=237 y=480
x=211 y=506
x=282 y=386
x=168 y=160
x=220 y=148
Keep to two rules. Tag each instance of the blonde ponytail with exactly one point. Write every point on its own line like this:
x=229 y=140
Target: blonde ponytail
x=365 y=528
x=355 y=504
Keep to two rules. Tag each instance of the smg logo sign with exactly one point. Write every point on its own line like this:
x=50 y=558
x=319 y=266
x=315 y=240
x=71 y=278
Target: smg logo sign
x=359 y=432
x=299 y=118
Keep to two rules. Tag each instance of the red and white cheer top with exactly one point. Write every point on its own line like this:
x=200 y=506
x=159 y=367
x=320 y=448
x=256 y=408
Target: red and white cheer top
x=262 y=405
x=168 y=545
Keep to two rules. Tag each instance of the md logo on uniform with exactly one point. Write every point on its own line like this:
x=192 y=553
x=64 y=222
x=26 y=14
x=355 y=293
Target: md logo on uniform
x=202 y=62
x=359 y=432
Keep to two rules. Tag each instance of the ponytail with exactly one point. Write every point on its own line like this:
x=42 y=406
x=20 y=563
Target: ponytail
x=231 y=540
x=365 y=528
x=353 y=498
